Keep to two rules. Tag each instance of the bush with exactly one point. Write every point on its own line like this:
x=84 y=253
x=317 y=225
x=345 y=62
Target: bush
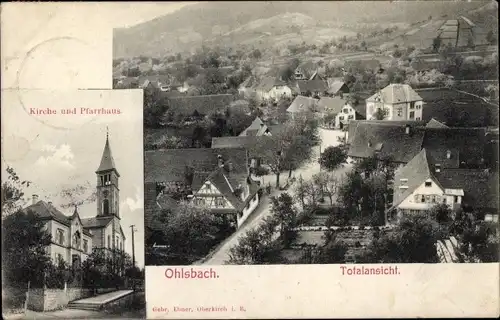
x=320 y=211
x=260 y=171
x=304 y=217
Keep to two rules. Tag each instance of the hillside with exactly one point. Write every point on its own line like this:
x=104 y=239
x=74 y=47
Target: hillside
x=456 y=28
x=251 y=22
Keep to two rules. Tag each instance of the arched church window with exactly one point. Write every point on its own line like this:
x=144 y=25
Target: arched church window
x=105 y=206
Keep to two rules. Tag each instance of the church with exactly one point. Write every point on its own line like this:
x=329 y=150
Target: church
x=73 y=237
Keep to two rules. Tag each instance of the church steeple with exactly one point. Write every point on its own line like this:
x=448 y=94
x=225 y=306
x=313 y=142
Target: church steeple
x=107 y=184
x=107 y=161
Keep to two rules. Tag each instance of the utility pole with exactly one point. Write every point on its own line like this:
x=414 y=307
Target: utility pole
x=132 y=228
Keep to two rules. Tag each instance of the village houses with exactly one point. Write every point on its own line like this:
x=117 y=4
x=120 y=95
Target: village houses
x=422 y=183
x=217 y=179
x=337 y=112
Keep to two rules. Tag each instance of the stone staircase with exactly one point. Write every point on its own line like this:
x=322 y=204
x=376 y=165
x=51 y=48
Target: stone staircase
x=447 y=250
x=96 y=303
x=85 y=306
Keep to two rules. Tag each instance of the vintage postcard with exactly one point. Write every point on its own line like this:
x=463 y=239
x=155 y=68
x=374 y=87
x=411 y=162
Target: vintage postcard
x=291 y=159
x=72 y=204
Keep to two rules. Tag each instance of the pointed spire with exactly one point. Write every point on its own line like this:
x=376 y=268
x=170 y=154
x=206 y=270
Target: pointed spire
x=107 y=162
x=75 y=212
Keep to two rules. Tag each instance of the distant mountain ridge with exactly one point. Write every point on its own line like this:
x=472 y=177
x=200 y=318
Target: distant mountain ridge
x=192 y=25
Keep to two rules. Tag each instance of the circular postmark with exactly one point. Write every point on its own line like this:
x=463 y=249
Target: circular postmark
x=60 y=71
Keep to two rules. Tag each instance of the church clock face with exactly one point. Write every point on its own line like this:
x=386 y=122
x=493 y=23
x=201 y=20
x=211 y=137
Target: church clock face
x=105 y=193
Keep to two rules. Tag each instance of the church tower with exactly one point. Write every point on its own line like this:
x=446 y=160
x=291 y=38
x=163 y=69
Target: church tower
x=108 y=194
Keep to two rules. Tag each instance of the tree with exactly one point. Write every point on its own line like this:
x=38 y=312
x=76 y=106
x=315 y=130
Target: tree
x=285 y=215
x=332 y=157
x=12 y=193
x=300 y=191
x=256 y=54
x=24 y=249
x=333 y=251
x=413 y=240
x=287 y=73
x=328 y=183
x=257 y=245
x=436 y=44
x=470 y=42
x=490 y=37
x=381 y=113
x=441 y=213
x=78 y=195
x=478 y=239
x=289 y=148
x=187 y=232
x=365 y=191
x=237 y=121
x=154 y=108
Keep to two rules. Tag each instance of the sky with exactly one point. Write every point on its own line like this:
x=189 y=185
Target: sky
x=56 y=152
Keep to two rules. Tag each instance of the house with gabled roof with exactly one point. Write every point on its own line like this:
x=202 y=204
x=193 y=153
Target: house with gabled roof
x=202 y=105
x=433 y=123
x=300 y=105
x=229 y=193
x=306 y=71
x=246 y=88
x=450 y=147
x=337 y=112
x=73 y=237
x=423 y=183
x=256 y=129
x=399 y=101
x=186 y=174
x=272 y=89
x=338 y=88
x=315 y=88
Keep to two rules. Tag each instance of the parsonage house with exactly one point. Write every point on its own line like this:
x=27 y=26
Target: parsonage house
x=216 y=179
x=73 y=237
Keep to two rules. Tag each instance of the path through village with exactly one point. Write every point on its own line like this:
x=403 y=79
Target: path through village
x=221 y=253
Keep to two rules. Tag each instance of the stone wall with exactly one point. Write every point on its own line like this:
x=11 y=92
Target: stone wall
x=36 y=299
x=54 y=299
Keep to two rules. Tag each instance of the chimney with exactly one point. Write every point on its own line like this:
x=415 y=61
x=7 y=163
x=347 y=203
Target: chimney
x=35 y=198
x=50 y=203
x=448 y=154
x=220 y=160
x=407 y=129
x=229 y=166
x=369 y=144
x=437 y=167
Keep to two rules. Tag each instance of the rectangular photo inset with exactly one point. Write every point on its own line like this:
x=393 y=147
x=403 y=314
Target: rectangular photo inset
x=299 y=153
x=72 y=204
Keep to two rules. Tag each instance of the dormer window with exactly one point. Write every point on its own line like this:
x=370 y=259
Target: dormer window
x=437 y=167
